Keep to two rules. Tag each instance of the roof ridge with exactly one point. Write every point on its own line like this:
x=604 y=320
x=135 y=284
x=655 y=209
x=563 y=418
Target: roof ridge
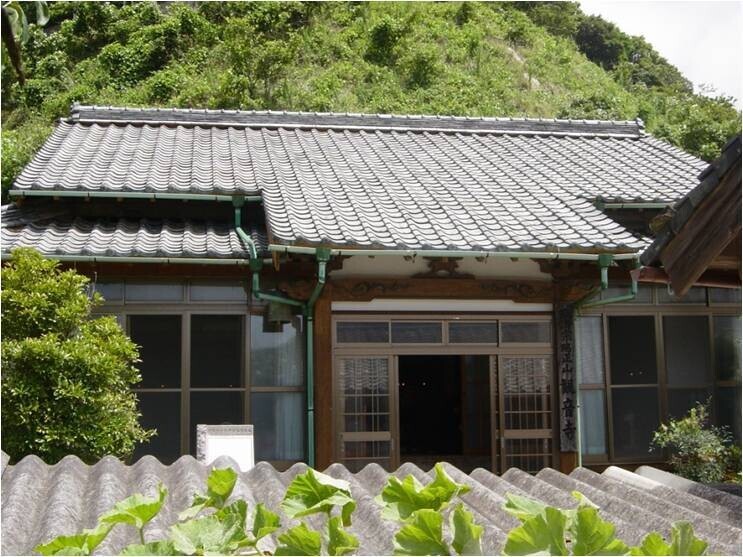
x=351 y=120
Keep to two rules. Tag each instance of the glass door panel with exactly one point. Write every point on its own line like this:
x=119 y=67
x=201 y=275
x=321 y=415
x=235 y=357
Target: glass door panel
x=365 y=403
x=523 y=397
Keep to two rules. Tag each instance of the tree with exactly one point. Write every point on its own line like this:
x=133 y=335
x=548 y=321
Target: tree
x=15 y=29
x=67 y=377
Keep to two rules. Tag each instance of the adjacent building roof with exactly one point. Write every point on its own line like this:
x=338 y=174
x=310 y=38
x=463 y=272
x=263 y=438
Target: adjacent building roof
x=703 y=223
x=377 y=181
x=40 y=502
x=55 y=232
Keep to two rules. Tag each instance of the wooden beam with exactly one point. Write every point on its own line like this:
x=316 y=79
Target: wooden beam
x=713 y=278
x=323 y=381
x=712 y=226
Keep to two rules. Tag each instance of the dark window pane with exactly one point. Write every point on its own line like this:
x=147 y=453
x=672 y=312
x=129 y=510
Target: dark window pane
x=146 y=292
x=277 y=357
x=680 y=401
x=687 y=350
x=111 y=291
x=278 y=421
x=635 y=415
x=160 y=411
x=724 y=295
x=728 y=409
x=363 y=331
x=216 y=351
x=472 y=333
x=695 y=295
x=593 y=422
x=535 y=331
x=727 y=347
x=589 y=335
x=632 y=350
x=218 y=293
x=159 y=339
x=644 y=294
x=416 y=332
x=214 y=409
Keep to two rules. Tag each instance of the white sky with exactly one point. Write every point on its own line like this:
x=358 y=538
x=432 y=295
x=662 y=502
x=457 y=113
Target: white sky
x=703 y=39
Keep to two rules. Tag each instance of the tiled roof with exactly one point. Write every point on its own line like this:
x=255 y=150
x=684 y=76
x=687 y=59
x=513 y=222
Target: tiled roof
x=411 y=182
x=54 y=232
x=40 y=501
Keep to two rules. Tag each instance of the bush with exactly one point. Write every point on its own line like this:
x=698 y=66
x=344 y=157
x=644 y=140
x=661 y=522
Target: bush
x=699 y=452
x=66 y=377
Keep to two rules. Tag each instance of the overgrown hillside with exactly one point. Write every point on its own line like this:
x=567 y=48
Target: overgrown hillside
x=493 y=59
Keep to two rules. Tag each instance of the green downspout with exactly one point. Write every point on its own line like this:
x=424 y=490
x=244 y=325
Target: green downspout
x=323 y=256
x=308 y=312
x=605 y=260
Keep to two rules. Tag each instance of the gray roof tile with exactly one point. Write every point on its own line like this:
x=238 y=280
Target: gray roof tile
x=40 y=501
x=411 y=182
x=54 y=232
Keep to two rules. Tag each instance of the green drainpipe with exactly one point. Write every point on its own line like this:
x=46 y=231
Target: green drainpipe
x=323 y=256
x=308 y=312
x=604 y=261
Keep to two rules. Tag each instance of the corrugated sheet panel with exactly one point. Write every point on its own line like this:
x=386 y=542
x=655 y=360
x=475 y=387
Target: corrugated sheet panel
x=40 y=501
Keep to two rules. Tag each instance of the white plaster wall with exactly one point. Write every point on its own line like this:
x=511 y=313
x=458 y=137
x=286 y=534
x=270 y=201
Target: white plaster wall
x=359 y=266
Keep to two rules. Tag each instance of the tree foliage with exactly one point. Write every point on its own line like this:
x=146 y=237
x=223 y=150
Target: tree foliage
x=543 y=59
x=66 y=376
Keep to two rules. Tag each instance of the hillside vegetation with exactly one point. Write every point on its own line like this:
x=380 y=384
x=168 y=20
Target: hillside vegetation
x=491 y=59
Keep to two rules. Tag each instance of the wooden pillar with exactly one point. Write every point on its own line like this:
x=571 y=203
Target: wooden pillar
x=323 y=381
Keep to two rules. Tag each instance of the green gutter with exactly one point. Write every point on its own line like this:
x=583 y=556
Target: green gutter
x=600 y=205
x=131 y=195
x=556 y=255
x=308 y=312
x=114 y=259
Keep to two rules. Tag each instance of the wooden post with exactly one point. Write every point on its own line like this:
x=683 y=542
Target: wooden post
x=323 y=381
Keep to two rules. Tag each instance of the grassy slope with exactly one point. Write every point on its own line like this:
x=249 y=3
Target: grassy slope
x=439 y=58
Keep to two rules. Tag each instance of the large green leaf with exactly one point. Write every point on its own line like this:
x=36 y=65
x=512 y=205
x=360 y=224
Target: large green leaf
x=543 y=534
x=593 y=536
x=400 y=499
x=422 y=535
x=219 y=486
x=653 y=544
x=164 y=547
x=523 y=508
x=299 y=540
x=136 y=510
x=466 y=533
x=683 y=542
x=314 y=492
x=340 y=542
x=80 y=544
x=265 y=522
x=209 y=535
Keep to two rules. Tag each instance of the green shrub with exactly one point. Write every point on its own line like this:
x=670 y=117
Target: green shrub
x=699 y=452
x=67 y=378
x=383 y=38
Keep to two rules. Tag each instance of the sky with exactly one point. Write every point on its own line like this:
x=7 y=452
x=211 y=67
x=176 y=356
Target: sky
x=703 y=39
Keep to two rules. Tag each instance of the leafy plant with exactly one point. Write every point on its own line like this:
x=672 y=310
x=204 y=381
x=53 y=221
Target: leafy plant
x=429 y=524
x=422 y=511
x=699 y=451
x=67 y=378
x=548 y=530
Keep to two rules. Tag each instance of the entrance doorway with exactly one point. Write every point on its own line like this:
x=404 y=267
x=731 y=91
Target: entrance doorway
x=444 y=403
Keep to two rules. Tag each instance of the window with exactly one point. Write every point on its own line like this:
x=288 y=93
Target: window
x=277 y=396
x=639 y=366
x=207 y=359
x=159 y=392
x=419 y=332
x=482 y=332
